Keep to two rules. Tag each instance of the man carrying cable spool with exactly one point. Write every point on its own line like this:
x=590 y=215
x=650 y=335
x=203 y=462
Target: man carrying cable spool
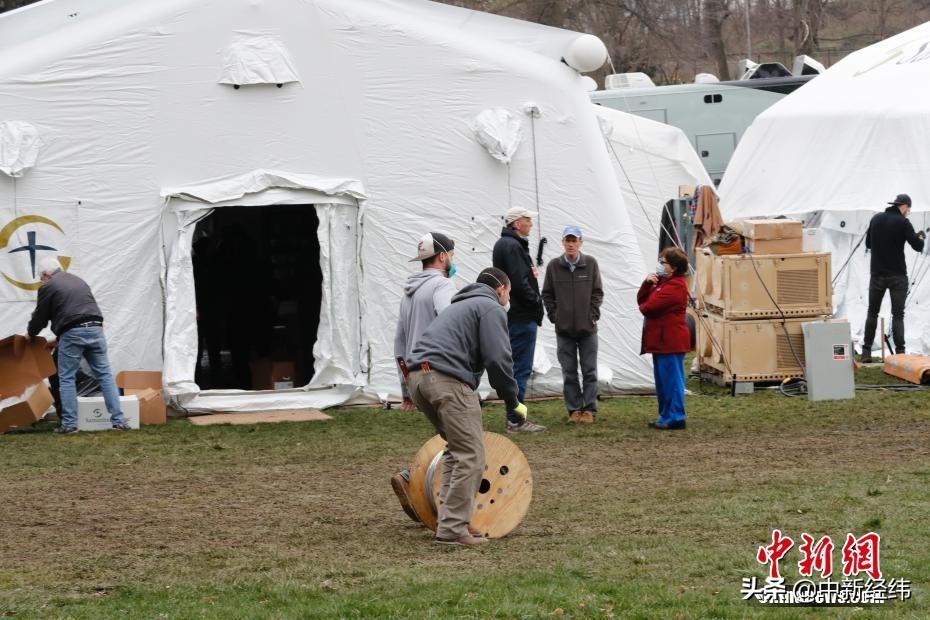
x=442 y=374
x=885 y=239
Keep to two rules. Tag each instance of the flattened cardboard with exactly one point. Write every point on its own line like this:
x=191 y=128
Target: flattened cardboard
x=302 y=415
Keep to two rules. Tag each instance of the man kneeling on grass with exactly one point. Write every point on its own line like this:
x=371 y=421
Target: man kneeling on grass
x=467 y=338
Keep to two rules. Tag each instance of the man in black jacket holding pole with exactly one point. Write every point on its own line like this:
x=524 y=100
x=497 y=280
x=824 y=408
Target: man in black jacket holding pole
x=512 y=256
x=885 y=238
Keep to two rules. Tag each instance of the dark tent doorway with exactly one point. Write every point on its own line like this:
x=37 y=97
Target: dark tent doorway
x=258 y=285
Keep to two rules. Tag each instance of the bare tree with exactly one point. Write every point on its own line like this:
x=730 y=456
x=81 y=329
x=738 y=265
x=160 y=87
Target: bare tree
x=716 y=13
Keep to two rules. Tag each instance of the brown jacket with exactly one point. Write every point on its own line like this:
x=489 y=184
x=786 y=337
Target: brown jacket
x=573 y=299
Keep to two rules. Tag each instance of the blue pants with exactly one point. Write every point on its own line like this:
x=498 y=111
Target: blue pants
x=523 y=346
x=669 y=372
x=89 y=343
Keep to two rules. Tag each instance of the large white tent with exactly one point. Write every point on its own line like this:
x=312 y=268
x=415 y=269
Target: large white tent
x=651 y=161
x=123 y=124
x=834 y=153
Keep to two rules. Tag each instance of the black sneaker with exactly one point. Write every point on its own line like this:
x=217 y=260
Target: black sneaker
x=65 y=430
x=122 y=426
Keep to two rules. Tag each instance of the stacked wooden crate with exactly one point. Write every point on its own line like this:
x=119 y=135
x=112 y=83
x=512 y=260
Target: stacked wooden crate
x=751 y=306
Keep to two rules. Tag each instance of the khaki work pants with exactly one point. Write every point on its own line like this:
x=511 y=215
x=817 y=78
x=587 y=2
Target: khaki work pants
x=455 y=411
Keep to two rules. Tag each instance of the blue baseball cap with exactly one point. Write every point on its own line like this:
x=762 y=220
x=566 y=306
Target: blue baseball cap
x=571 y=231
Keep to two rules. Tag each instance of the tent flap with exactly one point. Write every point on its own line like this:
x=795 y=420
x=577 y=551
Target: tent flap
x=19 y=147
x=257 y=59
x=224 y=189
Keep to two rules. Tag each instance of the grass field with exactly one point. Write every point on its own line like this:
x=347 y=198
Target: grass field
x=298 y=520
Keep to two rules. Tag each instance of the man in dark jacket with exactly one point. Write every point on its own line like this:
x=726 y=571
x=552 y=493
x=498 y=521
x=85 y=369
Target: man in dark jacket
x=512 y=256
x=444 y=370
x=885 y=238
x=572 y=294
x=67 y=301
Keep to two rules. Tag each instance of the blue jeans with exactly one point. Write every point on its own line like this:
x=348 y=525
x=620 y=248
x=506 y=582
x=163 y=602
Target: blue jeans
x=89 y=343
x=669 y=372
x=523 y=347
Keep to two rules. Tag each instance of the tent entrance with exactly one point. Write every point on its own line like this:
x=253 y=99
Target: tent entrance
x=259 y=288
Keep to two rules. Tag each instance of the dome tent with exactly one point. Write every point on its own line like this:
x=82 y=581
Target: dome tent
x=362 y=111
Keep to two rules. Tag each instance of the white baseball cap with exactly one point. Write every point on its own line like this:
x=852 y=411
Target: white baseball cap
x=516 y=213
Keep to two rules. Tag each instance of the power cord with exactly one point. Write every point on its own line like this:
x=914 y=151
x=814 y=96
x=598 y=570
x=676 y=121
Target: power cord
x=784 y=319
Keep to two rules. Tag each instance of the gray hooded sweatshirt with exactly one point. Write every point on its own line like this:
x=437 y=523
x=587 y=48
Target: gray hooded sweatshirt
x=467 y=339
x=426 y=294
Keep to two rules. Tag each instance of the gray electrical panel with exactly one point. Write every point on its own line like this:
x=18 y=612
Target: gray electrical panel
x=829 y=360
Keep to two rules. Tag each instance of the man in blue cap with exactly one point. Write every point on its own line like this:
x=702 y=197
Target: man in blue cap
x=885 y=238
x=572 y=294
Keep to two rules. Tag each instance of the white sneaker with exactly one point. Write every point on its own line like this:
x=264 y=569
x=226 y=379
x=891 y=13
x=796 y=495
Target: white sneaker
x=524 y=426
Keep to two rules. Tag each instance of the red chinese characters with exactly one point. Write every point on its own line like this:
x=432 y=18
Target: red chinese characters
x=771 y=554
x=862 y=555
x=817 y=556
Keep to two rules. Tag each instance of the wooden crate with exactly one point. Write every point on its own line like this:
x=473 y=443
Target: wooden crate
x=743 y=287
x=754 y=351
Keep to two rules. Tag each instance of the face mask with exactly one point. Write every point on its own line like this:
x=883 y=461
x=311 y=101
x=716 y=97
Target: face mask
x=507 y=307
x=660 y=270
x=452 y=270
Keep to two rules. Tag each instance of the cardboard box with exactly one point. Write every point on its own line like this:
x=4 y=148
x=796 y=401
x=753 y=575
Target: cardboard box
x=146 y=385
x=152 y=409
x=28 y=411
x=93 y=414
x=23 y=363
x=266 y=374
x=739 y=287
x=795 y=245
x=772 y=229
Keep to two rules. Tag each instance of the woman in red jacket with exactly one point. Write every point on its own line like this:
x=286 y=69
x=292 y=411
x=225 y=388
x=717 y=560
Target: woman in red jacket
x=663 y=300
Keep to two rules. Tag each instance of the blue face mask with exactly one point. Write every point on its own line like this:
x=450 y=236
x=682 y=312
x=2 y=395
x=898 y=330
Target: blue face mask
x=452 y=270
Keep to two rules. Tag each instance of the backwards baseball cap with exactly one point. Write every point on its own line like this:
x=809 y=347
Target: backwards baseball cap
x=431 y=244
x=571 y=231
x=516 y=213
x=901 y=199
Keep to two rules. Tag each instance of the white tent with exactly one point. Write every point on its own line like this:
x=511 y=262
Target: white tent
x=834 y=153
x=129 y=122
x=651 y=160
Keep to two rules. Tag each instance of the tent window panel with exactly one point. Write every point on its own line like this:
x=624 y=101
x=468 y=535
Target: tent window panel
x=258 y=286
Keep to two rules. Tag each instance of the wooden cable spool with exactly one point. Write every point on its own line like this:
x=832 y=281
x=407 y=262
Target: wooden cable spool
x=503 y=497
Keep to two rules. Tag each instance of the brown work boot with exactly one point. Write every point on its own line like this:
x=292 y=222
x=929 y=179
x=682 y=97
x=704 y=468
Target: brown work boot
x=585 y=417
x=402 y=489
x=574 y=417
x=465 y=541
x=476 y=532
